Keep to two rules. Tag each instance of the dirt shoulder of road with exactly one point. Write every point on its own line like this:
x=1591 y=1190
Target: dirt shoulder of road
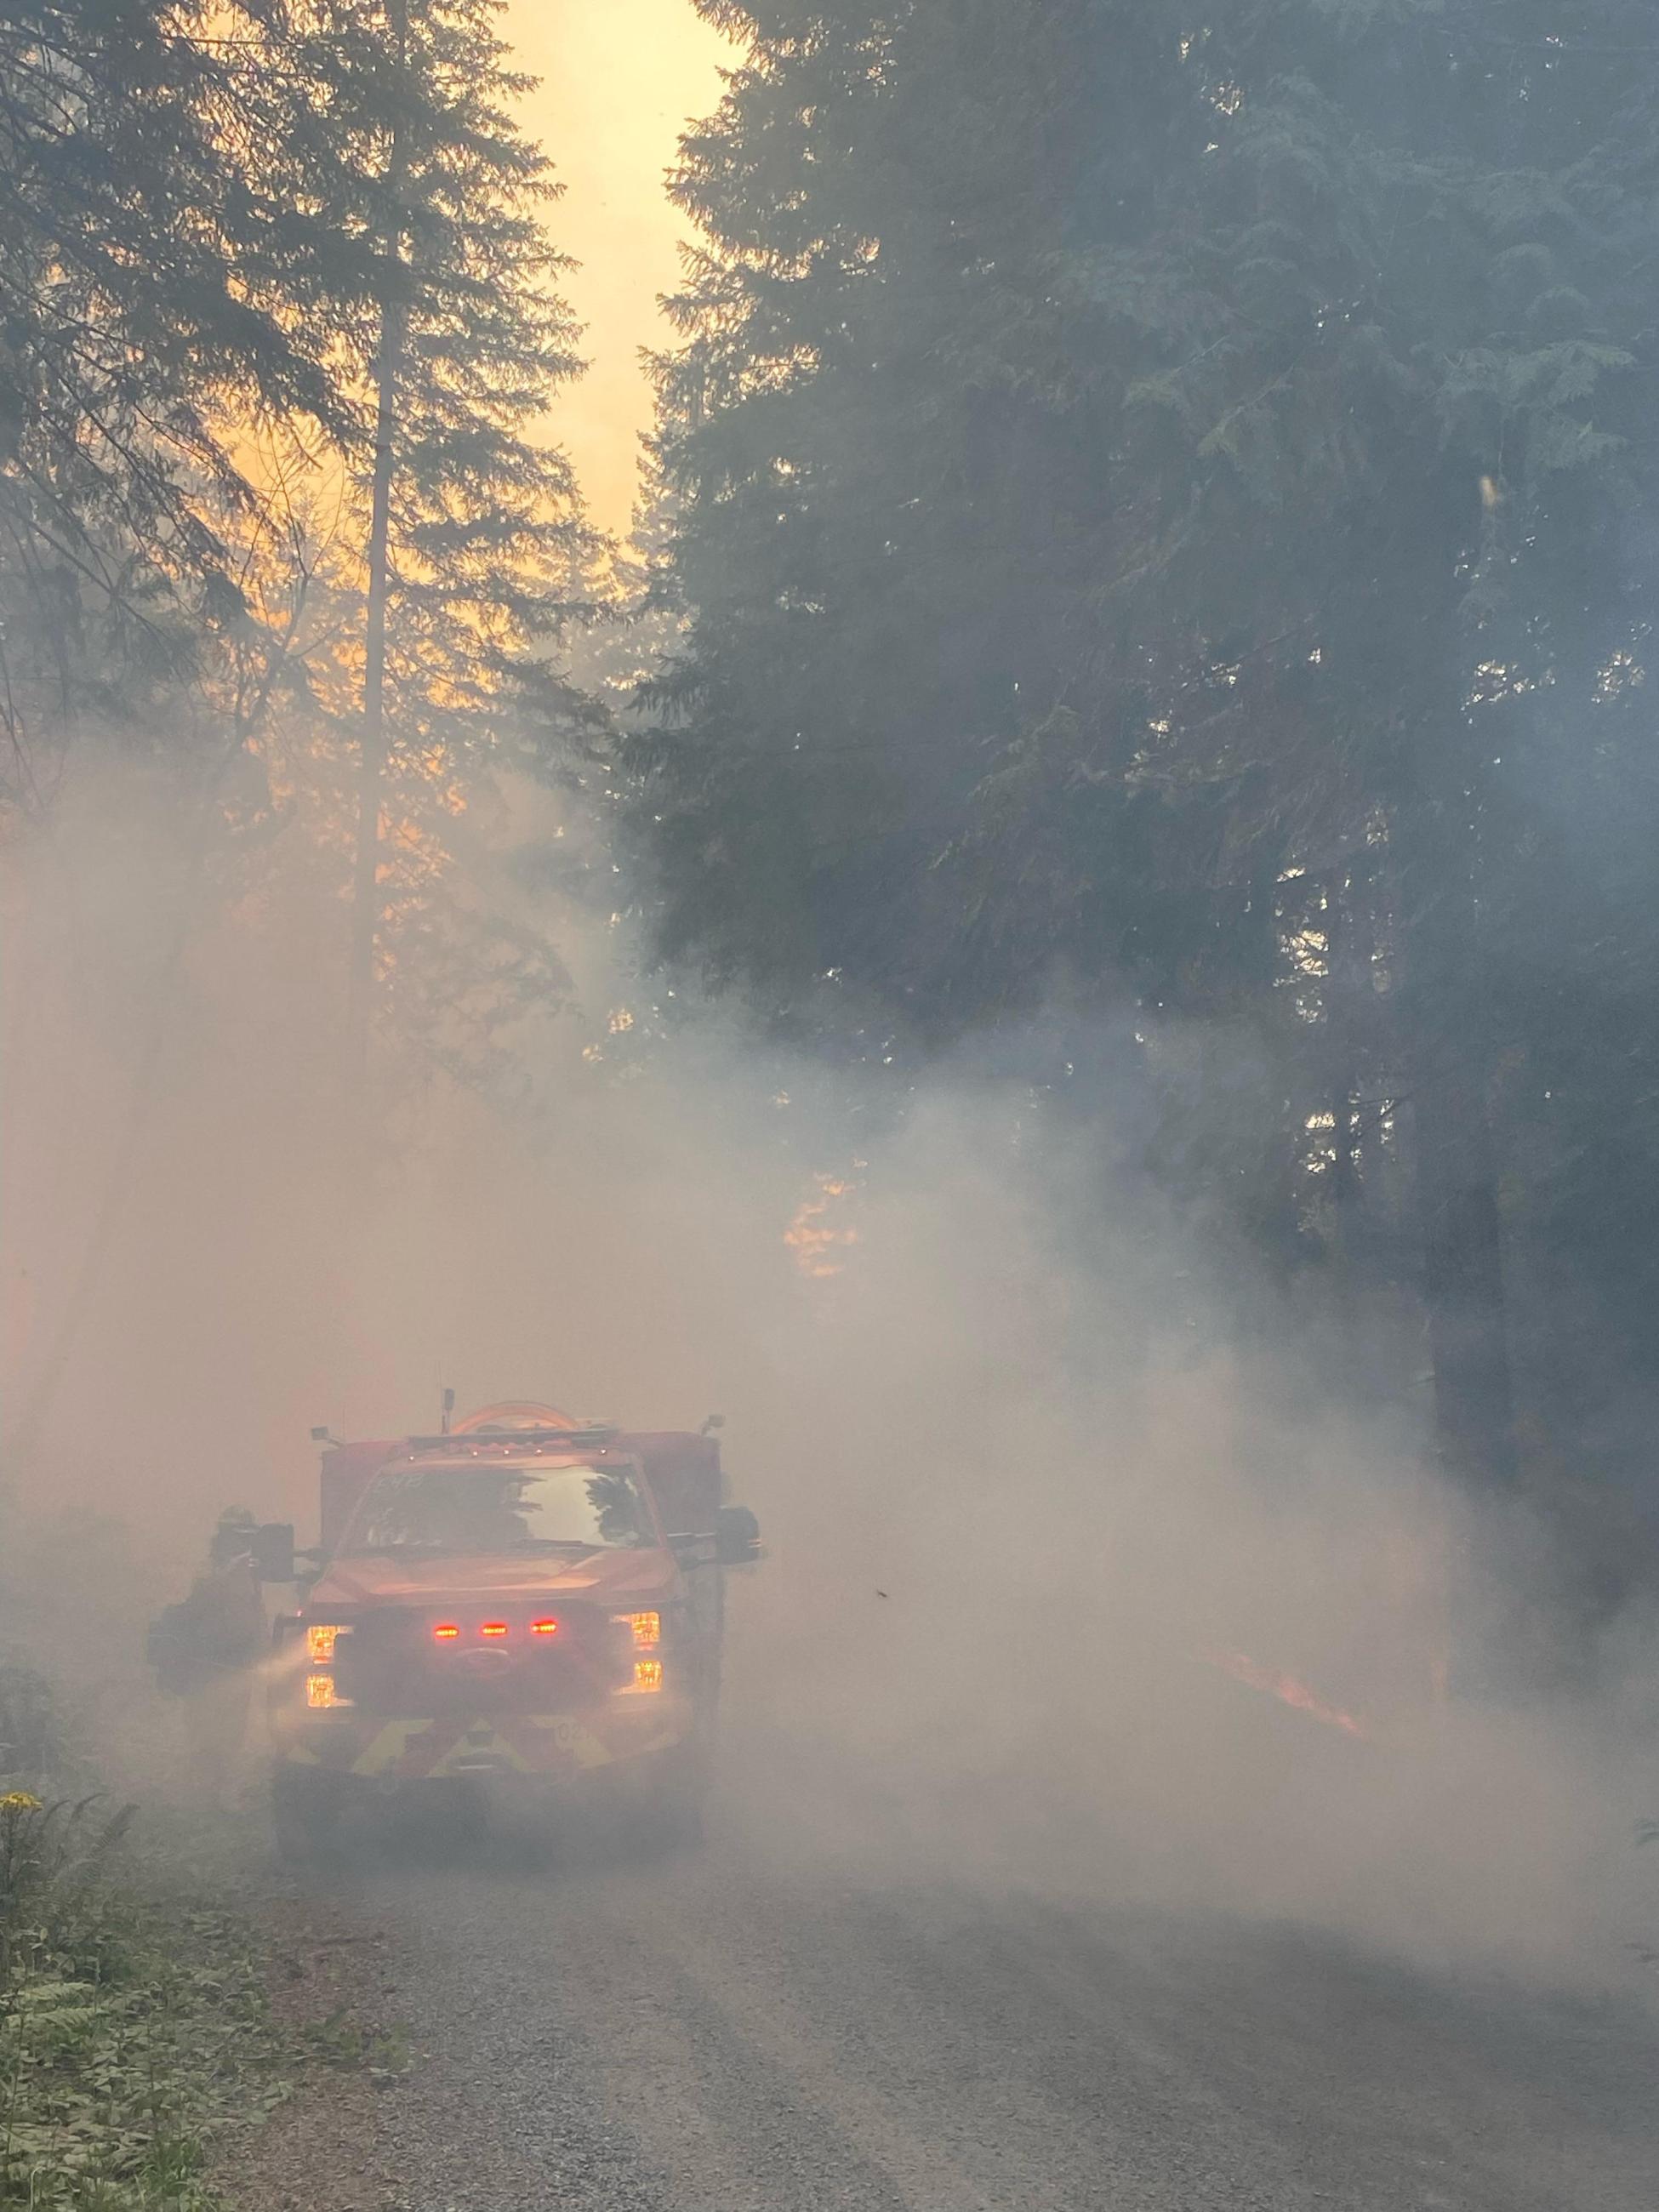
x=331 y=1993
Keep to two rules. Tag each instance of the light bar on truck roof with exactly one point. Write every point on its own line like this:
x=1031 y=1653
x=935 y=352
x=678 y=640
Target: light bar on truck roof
x=593 y=1436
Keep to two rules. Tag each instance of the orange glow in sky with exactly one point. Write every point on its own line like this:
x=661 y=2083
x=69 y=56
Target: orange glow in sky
x=620 y=79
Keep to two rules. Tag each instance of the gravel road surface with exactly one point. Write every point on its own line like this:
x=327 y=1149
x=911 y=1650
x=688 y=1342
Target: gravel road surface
x=730 y=2034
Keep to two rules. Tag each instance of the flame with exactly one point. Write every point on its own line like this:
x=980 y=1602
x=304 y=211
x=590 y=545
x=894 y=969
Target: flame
x=812 y=1241
x=1288 y=1691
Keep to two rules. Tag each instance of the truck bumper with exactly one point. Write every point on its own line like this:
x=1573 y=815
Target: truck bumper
x=532 y=1749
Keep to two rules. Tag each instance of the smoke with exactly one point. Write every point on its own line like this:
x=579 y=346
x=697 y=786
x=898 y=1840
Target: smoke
x=1066 y=1596
x=1065 y=1590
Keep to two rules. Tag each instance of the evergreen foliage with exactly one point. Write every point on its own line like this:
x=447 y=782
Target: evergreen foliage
x=1160 y=502
x=146 y=278
x=427 y=200
x=1154 y=534
x=438 y=283
x=208 y=219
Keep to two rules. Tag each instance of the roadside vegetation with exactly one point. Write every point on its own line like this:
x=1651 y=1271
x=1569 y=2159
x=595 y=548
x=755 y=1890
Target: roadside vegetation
x=134 y=2028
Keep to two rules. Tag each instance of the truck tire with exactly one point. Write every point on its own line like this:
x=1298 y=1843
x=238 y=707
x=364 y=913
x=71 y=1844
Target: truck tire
x=304 y=1813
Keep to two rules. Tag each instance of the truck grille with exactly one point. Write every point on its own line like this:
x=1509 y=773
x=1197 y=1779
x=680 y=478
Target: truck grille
x=392 y=1663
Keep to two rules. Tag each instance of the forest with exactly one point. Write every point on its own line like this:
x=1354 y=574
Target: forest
x=1145 y=577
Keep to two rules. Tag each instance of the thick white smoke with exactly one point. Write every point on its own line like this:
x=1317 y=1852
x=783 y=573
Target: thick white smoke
x=1063 y=1590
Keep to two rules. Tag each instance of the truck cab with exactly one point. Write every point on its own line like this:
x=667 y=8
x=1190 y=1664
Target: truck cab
x=524 y=1605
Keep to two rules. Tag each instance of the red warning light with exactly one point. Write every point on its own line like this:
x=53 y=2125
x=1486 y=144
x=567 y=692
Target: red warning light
x=445 y=1631
x=493 y=1628
x=543 y=1628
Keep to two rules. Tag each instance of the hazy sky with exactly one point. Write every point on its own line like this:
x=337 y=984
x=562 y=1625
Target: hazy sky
x=620 y=77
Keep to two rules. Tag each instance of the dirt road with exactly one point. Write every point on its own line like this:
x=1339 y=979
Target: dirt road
x=727 y=2035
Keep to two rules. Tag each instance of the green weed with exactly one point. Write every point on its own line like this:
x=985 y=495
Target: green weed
x=129 y=2037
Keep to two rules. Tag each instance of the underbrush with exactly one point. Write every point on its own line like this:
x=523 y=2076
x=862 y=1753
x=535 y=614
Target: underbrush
x=132 y=2031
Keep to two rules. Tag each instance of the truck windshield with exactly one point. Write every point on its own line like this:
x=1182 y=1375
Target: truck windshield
x=472 y=1508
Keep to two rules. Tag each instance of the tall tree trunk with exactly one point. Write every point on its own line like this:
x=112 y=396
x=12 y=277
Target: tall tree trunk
x=1347 y=977
x=1462 y=1268
x=371 y=775
x=366 y=898
x=1448 y=1061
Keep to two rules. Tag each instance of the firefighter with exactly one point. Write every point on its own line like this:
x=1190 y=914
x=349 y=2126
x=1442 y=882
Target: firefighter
x=204 y=1650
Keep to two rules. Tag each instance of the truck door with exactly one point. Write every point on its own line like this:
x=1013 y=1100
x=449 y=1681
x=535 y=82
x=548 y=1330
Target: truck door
x=683 y=1473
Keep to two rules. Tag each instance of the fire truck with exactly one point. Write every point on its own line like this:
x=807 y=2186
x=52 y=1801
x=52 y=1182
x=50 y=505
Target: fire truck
x=524 y=1606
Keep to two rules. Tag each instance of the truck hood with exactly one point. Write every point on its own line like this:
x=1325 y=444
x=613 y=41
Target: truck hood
x=383 y=1579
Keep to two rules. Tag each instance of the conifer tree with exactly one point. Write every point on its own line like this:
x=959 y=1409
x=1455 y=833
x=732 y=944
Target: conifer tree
x=148 y=313
x=398 y=120
x=1156 y=506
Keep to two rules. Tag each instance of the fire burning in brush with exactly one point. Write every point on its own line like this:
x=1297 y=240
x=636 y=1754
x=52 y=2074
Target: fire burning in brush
x=1288 y=1691
x=818 y=1244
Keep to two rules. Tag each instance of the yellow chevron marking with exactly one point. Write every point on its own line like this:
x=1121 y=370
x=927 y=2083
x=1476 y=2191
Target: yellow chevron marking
x=387 y=1746
x=539 y=1743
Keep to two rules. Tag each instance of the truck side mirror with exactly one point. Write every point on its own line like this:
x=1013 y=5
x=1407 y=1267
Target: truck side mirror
x=736 y=1536
x=273 y=1552
x=308 y=1565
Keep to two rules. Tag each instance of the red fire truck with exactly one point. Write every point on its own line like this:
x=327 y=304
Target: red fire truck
x=523 y=1604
